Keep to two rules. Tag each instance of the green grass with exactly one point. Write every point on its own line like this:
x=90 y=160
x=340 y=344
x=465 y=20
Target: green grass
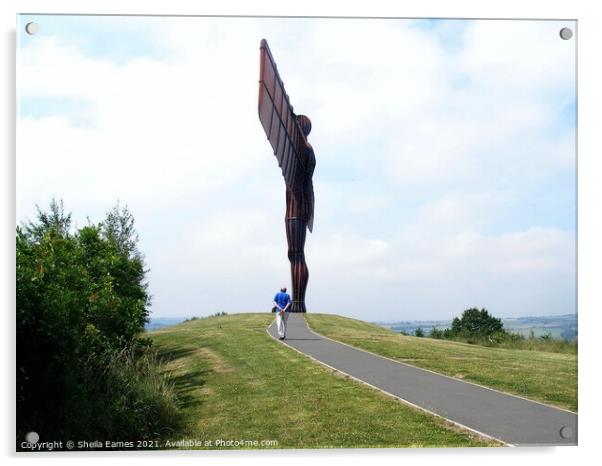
x=551 y=345
x=549 y=377
x=234 y=381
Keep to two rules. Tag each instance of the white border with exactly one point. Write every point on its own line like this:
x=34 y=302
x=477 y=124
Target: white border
x=590 y=191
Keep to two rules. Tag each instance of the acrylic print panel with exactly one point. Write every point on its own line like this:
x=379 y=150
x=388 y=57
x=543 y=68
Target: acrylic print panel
x=151 y=247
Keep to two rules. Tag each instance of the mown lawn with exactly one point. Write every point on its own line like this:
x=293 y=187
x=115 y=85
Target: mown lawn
x=548 y=377
x=235 y=382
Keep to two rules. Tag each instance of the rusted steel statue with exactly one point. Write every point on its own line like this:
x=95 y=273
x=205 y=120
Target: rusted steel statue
x=287 y=134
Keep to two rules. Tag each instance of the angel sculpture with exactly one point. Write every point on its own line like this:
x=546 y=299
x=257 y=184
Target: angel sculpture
x=287 y=133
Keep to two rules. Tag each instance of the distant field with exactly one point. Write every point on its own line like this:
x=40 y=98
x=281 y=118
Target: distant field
x=554 y=332
x=561 y=327
x=538 y=375
x=236 y=382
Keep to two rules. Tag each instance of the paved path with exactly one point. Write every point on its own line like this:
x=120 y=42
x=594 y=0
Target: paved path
x=512 y=419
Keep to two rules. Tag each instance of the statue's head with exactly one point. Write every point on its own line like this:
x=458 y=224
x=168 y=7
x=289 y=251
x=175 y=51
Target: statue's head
x=305 y=124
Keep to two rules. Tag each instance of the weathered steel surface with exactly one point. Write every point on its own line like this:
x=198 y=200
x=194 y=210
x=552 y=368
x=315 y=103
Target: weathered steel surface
x=287 y=134
x=293 y=152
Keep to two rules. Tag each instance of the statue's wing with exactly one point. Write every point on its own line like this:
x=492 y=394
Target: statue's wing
x=279 y=122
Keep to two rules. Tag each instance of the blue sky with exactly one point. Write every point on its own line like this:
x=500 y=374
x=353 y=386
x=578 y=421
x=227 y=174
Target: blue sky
x=445 y=153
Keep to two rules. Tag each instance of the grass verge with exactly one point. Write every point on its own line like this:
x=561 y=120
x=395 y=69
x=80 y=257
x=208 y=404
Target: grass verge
x=235 y=382
x=548 y=377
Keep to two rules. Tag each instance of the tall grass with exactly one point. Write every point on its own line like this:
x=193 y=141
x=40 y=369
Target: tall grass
x=120 y=395
x=517 y=341
x=128 y=397
x=509 y=340
x=550 y=345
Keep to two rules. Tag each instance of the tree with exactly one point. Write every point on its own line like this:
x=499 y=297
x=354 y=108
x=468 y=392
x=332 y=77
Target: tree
x=54 y=222
x=419 y=332
x=476 y=323
x=81 y=298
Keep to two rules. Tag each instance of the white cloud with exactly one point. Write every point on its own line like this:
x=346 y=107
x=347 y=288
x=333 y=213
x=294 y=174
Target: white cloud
x=156 y=128
x=420 y=148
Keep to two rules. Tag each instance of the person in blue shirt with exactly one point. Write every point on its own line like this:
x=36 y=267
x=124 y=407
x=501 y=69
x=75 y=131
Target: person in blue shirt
x=282 y=302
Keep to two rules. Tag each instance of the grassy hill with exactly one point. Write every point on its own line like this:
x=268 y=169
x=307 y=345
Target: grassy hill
x=235 y=382
x=549 y=377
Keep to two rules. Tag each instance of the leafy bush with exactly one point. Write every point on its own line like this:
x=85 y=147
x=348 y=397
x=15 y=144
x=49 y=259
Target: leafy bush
x=477 y=324
x=81 y=304
x=419 y=332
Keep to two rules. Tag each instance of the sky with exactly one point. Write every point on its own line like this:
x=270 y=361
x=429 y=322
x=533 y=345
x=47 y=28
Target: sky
x=446 y=162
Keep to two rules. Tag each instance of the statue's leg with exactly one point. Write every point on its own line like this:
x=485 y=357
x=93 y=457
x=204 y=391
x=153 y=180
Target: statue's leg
x=295 y=234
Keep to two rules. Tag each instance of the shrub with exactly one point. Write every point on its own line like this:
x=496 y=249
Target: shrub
x=419 y=332
x=476 y=324
x=81 y=304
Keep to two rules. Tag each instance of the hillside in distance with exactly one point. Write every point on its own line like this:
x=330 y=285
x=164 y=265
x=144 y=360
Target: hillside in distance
x=562 y=327
x=156 y=323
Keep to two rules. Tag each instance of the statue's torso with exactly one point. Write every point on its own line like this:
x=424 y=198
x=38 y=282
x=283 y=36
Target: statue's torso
x=302 y=205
